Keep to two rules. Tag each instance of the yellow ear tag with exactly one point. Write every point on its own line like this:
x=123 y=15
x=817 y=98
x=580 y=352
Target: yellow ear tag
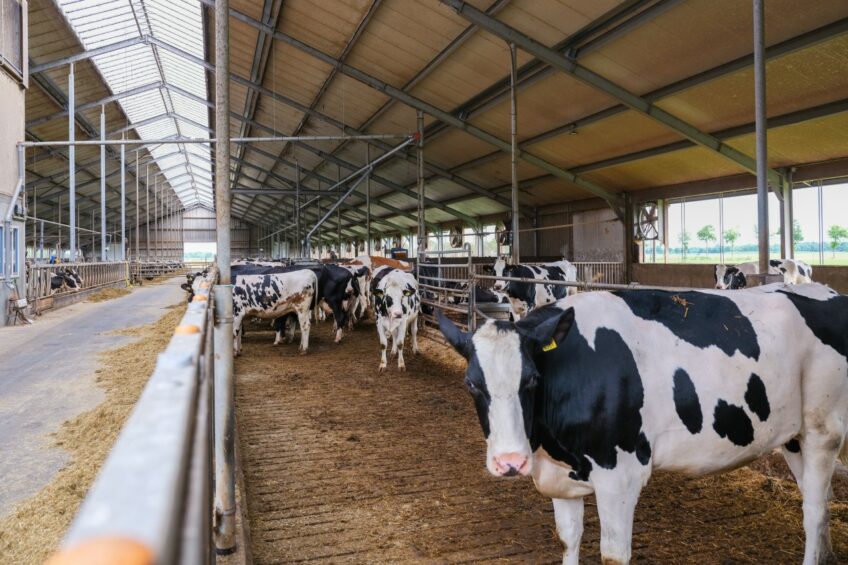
x=550 y=347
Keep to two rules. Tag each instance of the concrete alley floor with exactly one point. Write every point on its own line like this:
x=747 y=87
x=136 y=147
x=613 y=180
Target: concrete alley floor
x=47 y=376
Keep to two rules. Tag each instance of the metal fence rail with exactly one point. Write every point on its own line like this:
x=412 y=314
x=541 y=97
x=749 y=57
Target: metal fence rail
x=93 y=275
x=154 y=491
x=446 y=286
x=141 y=271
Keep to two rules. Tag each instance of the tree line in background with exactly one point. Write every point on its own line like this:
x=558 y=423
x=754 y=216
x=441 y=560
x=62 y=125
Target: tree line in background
x=837 y=240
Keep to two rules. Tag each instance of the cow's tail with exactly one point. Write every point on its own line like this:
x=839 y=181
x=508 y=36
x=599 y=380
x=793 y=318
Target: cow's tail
x=314 y=306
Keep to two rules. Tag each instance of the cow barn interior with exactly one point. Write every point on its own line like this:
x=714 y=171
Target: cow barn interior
x=170 y=169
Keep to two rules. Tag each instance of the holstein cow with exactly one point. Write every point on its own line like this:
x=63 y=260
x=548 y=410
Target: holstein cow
x=67 y=278
x=396 y=307
x=357 y=308
x=524 y=297
x=596 y=392
x=273 y=296
x=736 y=277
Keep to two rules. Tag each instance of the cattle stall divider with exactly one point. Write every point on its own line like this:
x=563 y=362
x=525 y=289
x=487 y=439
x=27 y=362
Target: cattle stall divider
x=445 y=286
x=154 y=493
x=94 y=275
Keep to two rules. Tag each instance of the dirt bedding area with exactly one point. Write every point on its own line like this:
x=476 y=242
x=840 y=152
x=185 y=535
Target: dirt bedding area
x=343 y=464
x=35 y=528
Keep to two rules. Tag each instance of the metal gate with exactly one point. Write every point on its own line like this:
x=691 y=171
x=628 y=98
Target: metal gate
x=446 y=286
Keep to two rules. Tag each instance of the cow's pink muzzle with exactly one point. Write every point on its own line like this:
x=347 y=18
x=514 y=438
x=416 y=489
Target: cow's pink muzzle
x=511 y=464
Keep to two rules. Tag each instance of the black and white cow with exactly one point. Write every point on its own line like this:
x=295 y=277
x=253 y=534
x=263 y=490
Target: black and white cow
x=396 y=307
x=273 y=296
x=794 y=271
x=357 y=308
x=66 y=278
x=733 y=277
x=596 y=392
x=524 y=297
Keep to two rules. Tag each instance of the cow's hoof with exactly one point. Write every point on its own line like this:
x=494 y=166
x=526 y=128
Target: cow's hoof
x=402 y=368
x=381 y=369
x=301 y=351
x=275 y=344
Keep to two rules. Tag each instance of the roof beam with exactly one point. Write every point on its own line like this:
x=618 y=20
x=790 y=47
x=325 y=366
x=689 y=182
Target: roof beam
x=637 y=103
x=615 y=200
x=95 y=104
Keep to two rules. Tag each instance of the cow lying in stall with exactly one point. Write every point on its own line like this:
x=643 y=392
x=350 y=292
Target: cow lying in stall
x=735 y=277
x=274 y=296
x=594 y=393
x=396 y=307
x=524 y=297
x=66 y=278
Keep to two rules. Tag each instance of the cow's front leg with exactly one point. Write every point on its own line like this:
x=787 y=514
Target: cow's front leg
x=569 y=522
x=381 y=331
x=400 y=337
x=616 y=498
x=818 y=452
x=304 y=319
x=413 y=329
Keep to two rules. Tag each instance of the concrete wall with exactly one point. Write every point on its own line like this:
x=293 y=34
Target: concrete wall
x=598 y=236
x=12 y=118
x=702 y=276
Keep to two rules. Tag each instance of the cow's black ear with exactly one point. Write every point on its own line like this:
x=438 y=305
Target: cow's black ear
x=459 y=339
x=546 y=326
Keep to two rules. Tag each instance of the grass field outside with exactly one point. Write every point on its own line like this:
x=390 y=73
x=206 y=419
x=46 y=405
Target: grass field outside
x=840 y=258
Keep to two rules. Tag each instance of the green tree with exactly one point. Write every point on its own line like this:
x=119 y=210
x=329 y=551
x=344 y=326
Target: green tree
x=685 y=237
x=797 y=234
x=837 y=235
x=707 y=234
x=730 y=237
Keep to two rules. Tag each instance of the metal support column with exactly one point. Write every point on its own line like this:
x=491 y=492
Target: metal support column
x=103 y=183
x=41 y=242
x=147 y=211
x=788 y=216
x=761 y=134
x=72 y=168
x=123 y=204
x=422 y=226
x=136 y=205
x=513 y=123
x=225 y=498
x=297 y=209
x=368 y=199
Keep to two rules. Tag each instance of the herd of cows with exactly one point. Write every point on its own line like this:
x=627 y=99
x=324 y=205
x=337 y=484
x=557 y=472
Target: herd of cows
x=591 y=392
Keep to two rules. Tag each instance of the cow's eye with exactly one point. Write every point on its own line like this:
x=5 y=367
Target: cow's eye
x=472 y=388
x=378 y=293
x=407 y=292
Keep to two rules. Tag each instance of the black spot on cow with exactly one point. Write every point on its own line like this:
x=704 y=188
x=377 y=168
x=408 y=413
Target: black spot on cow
x=827 y=319
x=793 y=446
x=686 y=402
x=476 y=384
x=731 y=422
x=698 y=318
x=589 y=401
x=757 y=399
x=527 y=291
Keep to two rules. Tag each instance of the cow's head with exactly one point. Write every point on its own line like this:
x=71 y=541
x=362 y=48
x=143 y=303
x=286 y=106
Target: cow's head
x=729 y=278
x=395 y=298
x=72 y=279
x=502 y=378
x=501 y=269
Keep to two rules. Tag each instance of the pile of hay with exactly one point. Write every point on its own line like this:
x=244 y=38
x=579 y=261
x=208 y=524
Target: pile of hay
x=108 y=294
x=35 y=529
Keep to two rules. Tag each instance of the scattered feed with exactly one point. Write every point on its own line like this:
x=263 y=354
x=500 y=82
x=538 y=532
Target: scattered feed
x=343 y=464
x=34 y=529
x=108 y=294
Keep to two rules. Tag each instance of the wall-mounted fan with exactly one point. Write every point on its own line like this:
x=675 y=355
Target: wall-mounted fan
x=456 y=237
x=505 y=235
x=647 y=222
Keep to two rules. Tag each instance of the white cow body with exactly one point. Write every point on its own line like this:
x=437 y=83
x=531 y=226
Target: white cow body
x=274 y=296
x=638 y=381
x=396 y=307
x=525 y=297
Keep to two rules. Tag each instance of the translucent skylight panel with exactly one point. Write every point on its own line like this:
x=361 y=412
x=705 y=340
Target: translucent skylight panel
x=100 y=23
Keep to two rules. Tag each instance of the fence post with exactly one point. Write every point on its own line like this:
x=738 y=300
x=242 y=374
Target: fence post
x=225 y=498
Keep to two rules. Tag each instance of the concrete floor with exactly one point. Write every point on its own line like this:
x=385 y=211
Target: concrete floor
x=47 y=377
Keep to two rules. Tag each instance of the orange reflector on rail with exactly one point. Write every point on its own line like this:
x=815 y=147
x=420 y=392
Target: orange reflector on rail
x=199 y=298
x=104 y=551
x=187 y=329
x=205 y=285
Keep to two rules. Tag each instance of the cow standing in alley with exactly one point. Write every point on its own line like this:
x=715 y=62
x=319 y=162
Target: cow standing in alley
x=273 y=296
x=396 y=307
x=524 y=297
x=596 y=392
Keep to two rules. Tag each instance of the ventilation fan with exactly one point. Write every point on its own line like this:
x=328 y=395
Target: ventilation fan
x=505 y=235
x=647 y=222
x=456 y=237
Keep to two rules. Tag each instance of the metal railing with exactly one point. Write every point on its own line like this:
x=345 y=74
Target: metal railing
x=610 y=272
x=93 y=275
x=446 y=286
x=154 y=492
x=141 y=271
